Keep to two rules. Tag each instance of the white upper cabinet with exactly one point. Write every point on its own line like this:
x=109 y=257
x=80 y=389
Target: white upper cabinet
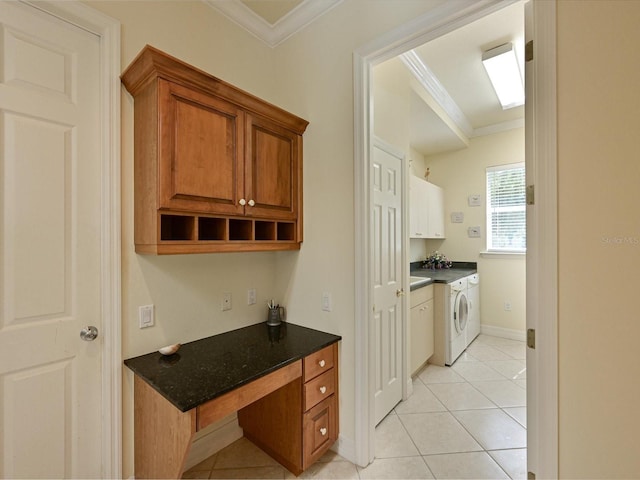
x=426 y=209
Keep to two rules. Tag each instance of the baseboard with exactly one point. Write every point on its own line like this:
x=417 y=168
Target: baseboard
x=409 y=388
x=504 y=332
x=213 y=439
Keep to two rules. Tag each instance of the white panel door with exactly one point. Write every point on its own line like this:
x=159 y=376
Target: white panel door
x=387 y=218
x=50 y=379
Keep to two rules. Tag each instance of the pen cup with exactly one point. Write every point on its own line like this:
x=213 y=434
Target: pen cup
x=275 y=316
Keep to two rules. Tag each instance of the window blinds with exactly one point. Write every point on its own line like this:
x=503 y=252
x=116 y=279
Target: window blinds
x=506 y=208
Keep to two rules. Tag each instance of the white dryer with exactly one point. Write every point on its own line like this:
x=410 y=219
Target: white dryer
x=473 y=296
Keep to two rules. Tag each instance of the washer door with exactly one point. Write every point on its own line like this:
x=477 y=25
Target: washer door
x=461 y=312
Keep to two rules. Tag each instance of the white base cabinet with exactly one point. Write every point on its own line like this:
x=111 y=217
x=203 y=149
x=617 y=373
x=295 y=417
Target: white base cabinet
x=421 y=334
x=426 y=209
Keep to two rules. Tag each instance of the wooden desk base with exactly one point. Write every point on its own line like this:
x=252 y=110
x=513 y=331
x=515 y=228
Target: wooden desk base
x=164 y=434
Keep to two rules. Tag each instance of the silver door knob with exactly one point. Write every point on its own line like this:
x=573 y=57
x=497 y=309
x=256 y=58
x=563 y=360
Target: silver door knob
x=89 y=334
x=400 y=292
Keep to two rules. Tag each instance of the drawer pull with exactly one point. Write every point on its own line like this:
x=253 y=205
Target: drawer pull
x=323 y=389
x=322 y=363
x=323 y=431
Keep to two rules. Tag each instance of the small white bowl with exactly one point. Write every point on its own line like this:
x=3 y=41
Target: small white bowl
x=169 y=349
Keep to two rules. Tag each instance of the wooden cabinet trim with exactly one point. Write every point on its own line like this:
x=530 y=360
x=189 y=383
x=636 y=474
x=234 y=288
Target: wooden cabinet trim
x=151 y=63
x=241 y=397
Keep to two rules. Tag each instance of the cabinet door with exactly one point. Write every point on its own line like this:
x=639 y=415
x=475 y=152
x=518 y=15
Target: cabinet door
x=272 y=170
x=201 y=151
x=422 y=336
x=418 y=213
x=435 y=203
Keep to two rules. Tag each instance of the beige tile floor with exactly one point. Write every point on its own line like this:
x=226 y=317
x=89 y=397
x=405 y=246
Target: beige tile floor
x=465 y=421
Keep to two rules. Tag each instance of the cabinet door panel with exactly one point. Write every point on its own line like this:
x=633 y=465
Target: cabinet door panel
x=272 y=173
x=200 y=153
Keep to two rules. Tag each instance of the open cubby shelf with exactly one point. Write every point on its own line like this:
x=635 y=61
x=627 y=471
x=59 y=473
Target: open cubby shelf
x=176 y=227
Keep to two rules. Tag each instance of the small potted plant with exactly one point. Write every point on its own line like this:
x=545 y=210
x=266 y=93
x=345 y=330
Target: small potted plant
x=436 y=261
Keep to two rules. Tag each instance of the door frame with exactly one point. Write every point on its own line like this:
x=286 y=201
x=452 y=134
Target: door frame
x=541 y=283
x=107 y=30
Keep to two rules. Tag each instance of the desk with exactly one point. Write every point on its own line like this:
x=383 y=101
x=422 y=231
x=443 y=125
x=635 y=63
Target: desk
x=282 y=381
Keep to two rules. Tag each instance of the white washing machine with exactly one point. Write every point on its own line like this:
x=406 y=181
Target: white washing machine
x=456 y=320
x=473 y=297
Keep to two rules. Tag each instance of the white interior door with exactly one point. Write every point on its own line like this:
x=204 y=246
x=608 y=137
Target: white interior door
x=50 y=379
x=388 y=313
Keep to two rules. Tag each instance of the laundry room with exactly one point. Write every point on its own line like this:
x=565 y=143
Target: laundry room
x=464 y=153
x=458 y=148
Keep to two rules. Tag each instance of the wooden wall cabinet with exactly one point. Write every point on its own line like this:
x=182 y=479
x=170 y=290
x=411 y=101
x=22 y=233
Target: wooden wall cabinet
x=215 y=169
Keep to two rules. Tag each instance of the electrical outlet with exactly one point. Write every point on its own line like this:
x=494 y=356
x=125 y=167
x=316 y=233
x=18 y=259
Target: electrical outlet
x=507 y=306
x=226 y=301
x=146 y=316
x=326 y=302
x=251 y=296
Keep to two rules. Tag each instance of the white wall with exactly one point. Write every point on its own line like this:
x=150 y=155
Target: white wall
x=185 y=289
x=462 y=173
x=311 y=74
x=599 y=238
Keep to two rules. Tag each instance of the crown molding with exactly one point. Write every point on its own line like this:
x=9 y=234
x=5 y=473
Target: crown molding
x=427 y=79
x=432 y=85
x=285 y=27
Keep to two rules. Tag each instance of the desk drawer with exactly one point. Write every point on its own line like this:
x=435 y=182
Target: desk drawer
x=320 y=425
x=319 y=388
x=318 y=362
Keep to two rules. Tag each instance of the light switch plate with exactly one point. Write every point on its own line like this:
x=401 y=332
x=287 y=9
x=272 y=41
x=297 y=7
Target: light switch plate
x=146 y=316
x=475 y=200
x=473 y=232
x=457 y=217
x=251 y=296
x=326 y=302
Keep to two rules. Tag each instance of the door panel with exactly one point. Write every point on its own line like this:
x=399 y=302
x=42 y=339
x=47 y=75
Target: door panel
x=387 y=328
x=271 y=170
x=201 y=152
x=50 y=380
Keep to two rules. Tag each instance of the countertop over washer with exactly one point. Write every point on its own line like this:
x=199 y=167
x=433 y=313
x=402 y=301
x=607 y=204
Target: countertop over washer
x=447 y=275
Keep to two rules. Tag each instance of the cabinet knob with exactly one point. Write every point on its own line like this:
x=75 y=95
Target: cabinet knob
x=323 y=390
x=323 y=431
x=251 y=203
x=322 y=363
x=242 y=202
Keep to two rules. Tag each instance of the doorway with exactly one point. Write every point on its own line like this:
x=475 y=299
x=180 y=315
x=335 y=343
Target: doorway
x=541 y=362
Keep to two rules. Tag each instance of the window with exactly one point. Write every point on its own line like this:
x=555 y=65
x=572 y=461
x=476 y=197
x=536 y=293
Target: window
x=506 y=208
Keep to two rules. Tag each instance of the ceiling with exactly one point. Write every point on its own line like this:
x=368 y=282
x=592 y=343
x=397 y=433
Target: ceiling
x=452 y=99
x=454 y=61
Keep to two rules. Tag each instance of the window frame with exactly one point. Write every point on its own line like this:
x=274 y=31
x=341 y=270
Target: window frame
x=490 y=249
